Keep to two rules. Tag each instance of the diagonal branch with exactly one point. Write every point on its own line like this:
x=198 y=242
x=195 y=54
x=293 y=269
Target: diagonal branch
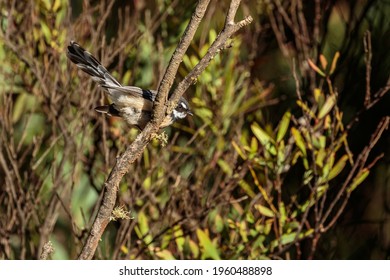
x=134 y=151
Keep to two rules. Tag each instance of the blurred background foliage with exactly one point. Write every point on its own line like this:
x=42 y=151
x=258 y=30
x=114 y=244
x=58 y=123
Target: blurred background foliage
x=286 y=156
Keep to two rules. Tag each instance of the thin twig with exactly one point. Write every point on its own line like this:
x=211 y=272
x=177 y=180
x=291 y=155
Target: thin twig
x=368 y=58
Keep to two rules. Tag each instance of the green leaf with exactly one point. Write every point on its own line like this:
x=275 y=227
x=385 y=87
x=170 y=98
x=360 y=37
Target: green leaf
x=208 y=248
x=24 y=102
x=299 y=140
x=254 y=146
x=46 y=4
x=283 y=214
x=194 y=60
x=165 y=255
x=57 y=5
x=260 y=134
x=225 y=167
x=166 y=239
x=264 y=211
x=143 y=223
x=318 y=95
x=247 y=188
x=282 y=154
x=319 y=141
x=212 y=36
x=249 y=217
x=239 y=150
x=187 y=62
x=143 y=228
x=265 y=139
x=307 y=177
x=306 y=109
x=322 y=189
x=204 y=113
x=46 y=31
x=320 y=157
x=203 y=50
x=329 y=103
x=179 y=237
x=147 y=183
x=338 y=167
x=219 y=223
x=358 y=179
x=283 y=126
x=243 y=231
x=287 y=238
x=194 y=248
x=334 y=62
x=126 y=77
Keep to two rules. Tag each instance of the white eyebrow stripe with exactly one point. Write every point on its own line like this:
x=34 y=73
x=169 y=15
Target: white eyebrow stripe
x=179 y=115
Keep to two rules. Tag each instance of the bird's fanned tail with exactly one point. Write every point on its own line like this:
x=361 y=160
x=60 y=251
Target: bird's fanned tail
x=89 y=64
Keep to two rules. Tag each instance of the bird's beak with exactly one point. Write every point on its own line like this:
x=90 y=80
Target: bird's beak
x=190 y=113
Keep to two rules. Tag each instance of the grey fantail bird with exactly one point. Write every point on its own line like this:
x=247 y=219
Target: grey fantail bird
x=133 y=104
